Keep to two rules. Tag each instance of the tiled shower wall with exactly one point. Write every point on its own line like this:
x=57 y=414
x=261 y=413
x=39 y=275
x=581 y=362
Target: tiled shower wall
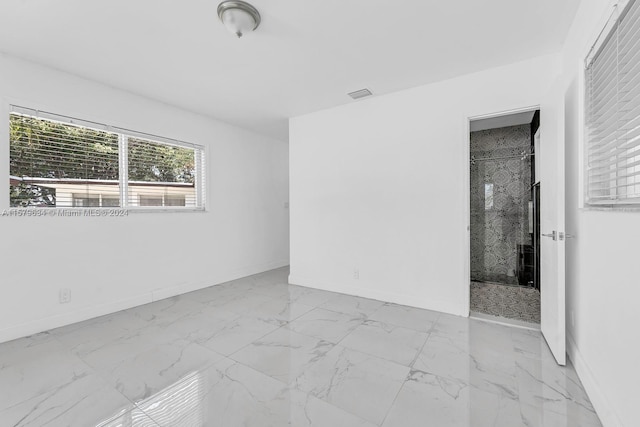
x=500 y=194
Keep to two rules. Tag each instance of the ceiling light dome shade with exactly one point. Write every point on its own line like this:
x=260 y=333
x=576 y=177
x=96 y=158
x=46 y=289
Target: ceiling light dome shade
x=238 y=16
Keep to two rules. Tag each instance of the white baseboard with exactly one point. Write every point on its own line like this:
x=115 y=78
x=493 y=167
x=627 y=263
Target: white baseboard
x=86 y=313
x=162 y=293
x=594 y=391
x=58 y=320
x=364 y=292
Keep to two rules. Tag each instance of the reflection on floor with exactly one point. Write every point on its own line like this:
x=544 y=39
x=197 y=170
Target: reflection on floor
x=512 y=302
x=259 y=352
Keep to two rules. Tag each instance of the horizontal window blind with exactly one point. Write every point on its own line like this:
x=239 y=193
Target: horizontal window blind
x=58 y=162
x=173 y=168
x=613 y=112
x=49 y=157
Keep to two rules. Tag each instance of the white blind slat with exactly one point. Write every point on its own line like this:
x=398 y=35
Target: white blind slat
x=618 y=177
x=629 y=24
x=58 y=161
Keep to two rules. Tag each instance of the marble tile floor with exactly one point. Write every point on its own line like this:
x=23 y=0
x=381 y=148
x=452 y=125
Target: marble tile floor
x=260 y=352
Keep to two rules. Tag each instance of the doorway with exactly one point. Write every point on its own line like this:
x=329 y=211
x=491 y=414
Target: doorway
x=505 y=218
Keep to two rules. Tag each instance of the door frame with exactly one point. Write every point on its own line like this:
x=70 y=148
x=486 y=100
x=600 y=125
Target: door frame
x=467 y=193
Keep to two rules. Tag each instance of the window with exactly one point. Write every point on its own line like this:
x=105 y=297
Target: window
x=161 y=200
x=84 y=200
x=147 y=200
x=58 y=162
x=612 y=118
x=174 y=200
x=109 y=202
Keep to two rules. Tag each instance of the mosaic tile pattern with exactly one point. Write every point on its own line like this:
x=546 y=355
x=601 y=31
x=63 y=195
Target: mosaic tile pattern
x=512 y=302
x=500 y=193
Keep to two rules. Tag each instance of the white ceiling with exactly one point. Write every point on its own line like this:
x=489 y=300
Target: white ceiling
x=305 y=56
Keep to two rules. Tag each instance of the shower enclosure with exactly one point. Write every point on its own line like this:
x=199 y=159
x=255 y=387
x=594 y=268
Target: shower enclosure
x=502 y=206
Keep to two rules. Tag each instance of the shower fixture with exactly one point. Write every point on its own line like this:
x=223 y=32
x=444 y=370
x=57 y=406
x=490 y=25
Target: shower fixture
x=522 y=156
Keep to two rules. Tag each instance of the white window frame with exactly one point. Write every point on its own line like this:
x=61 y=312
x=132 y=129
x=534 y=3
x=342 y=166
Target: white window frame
x=123 y=136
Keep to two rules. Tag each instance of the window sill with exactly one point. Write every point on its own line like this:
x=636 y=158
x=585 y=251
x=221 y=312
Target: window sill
x=35 y=212
x=610 y=208
x=165 y=210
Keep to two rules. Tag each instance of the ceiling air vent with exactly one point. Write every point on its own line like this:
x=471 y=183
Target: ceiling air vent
x=362 y=93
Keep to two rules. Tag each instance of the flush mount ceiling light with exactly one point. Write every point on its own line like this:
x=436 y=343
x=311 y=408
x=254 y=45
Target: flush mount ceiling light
x=238 y=16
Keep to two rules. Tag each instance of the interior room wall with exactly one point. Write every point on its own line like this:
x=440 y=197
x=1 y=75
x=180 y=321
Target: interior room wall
x=115 y=263
x=602 y=260
x=379 y=187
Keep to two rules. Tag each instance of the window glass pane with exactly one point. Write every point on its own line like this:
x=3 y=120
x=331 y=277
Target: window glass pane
x=612 y=108
x=109 y=202
x=174 y=200
x=57 y=161
x=50 y=161
x=85 y=200
x=146 y=200
x=163 y=172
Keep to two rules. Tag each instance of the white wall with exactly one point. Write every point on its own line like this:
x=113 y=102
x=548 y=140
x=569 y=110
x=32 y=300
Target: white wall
x=380 y=185
x=115 y=263
x=603 y=270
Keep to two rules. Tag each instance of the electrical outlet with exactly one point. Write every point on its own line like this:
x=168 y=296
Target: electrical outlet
x=356 y=273
x=65 y=295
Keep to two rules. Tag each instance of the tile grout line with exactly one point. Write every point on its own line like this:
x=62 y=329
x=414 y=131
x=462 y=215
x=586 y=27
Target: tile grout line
x=408 y=373
x=100 y=375
x=104 y=374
